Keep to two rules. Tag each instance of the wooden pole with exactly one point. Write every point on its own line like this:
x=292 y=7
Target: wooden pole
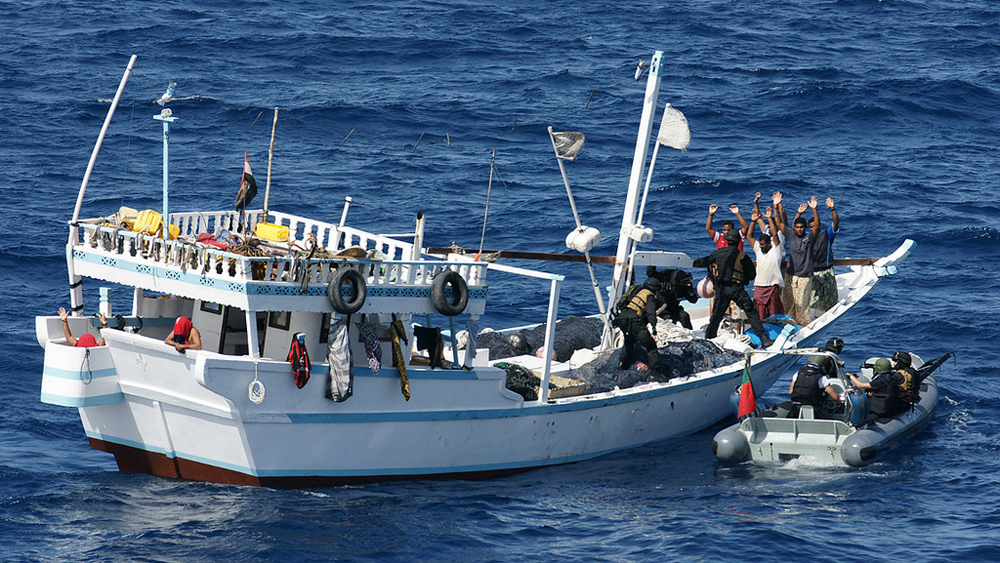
x=270 y=159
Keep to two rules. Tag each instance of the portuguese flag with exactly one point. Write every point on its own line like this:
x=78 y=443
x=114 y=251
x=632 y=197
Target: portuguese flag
x=748 y=401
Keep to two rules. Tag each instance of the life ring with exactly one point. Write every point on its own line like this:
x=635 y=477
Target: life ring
x=335 y=291
x=459 y=290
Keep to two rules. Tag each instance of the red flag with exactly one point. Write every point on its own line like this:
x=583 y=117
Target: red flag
x=748 y=401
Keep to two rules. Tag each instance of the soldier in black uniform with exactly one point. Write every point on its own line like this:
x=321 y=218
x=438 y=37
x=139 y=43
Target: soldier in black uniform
x=884 y=390
x=811 y=385
x=676 y=285
x=639 y=312
x=909 y=387
x=731 y=269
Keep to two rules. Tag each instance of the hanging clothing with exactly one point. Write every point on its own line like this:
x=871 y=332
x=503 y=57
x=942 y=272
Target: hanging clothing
x=430 y=339
x=397 y=332
x=373 y=349
x=470 y=347
x=340 y=381
x=299 y=358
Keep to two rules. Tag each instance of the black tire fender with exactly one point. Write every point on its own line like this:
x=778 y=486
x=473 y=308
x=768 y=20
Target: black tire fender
x=335 y=290
x=459 y=289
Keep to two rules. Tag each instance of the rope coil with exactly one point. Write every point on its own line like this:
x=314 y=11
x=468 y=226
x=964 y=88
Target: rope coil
x=255 y=391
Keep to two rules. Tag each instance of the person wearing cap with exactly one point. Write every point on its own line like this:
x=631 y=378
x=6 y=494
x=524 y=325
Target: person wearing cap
x=835 y=345
x=811 y=383
x=800 y=240
x=719 y=238
x=85 y=341
x=675 y=286
x=883 y=390
x=634 y=319
x=909 y=387
x=730 y=270
x=184 y=336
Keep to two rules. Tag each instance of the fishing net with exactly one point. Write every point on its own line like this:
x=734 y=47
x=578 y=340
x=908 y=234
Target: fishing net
x=676 y=359
x=572 y=334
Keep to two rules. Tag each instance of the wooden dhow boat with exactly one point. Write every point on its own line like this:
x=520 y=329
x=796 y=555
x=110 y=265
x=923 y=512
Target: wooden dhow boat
x=233 y=412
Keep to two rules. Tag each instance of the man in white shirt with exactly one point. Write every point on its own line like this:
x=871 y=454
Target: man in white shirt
x=767 y=286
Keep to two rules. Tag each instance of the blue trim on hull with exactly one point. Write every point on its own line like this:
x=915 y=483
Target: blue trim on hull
x=80 y=375
x=96 y=401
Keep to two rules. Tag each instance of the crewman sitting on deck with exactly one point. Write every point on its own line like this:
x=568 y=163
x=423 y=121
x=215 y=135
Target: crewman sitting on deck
x=85 y=341
x=185 y=336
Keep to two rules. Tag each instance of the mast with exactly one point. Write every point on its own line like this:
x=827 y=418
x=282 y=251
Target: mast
x=625 y=240
x=166 y=116
x=75 y=281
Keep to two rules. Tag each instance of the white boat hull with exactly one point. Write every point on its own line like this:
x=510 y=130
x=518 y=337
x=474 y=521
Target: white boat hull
x=198 y=422
x=190 y=415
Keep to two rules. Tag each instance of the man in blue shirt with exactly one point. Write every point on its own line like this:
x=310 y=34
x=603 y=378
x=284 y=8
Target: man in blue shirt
x=824 y=282
x=800 y=240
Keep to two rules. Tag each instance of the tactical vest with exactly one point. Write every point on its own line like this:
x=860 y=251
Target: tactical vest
x=909 y=393
x=638 y=303
x=885 y=399
x=806 y=388
x=731 y=270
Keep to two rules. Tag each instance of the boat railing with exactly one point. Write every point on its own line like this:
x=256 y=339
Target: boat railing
x=187 y=257
x=300 y=229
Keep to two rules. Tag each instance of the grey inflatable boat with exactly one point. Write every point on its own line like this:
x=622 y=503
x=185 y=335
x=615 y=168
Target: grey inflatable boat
x=839 y=432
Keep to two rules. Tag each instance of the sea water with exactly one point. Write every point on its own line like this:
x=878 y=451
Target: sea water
x=890 y=108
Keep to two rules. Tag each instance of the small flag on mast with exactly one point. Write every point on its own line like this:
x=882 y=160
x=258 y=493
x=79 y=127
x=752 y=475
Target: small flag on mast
x=248 y=187
x=568 y=144
x=674 y=131
x=748 y=402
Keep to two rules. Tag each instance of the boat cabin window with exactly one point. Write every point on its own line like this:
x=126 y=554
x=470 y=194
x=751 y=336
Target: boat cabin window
x=226 y=332
x=233 y=336
x=279 y=320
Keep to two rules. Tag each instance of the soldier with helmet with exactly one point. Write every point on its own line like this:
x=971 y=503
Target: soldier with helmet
x=811 y=383
x=675 y=286
x=909 y=387
x=730 y=270
x=633 y=320
x=883 y=390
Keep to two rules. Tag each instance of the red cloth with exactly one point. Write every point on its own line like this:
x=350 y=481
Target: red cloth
x=86 y=341
x=767 y=300
x=748 y=402
x=182 y=328
x=721 y=242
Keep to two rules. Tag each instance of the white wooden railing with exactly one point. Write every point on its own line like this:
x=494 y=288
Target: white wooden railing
x=394 y=267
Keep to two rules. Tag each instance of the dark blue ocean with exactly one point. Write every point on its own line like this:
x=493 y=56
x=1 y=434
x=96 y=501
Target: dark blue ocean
x=891 y=108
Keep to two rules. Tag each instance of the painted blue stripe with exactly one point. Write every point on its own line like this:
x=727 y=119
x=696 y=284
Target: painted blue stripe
x=82 y=375
x=376 y=472
x=488 y=414
x=92 y=401
x=126 y=263
x=393 y=373
x=173 y=455
x=130 y=443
